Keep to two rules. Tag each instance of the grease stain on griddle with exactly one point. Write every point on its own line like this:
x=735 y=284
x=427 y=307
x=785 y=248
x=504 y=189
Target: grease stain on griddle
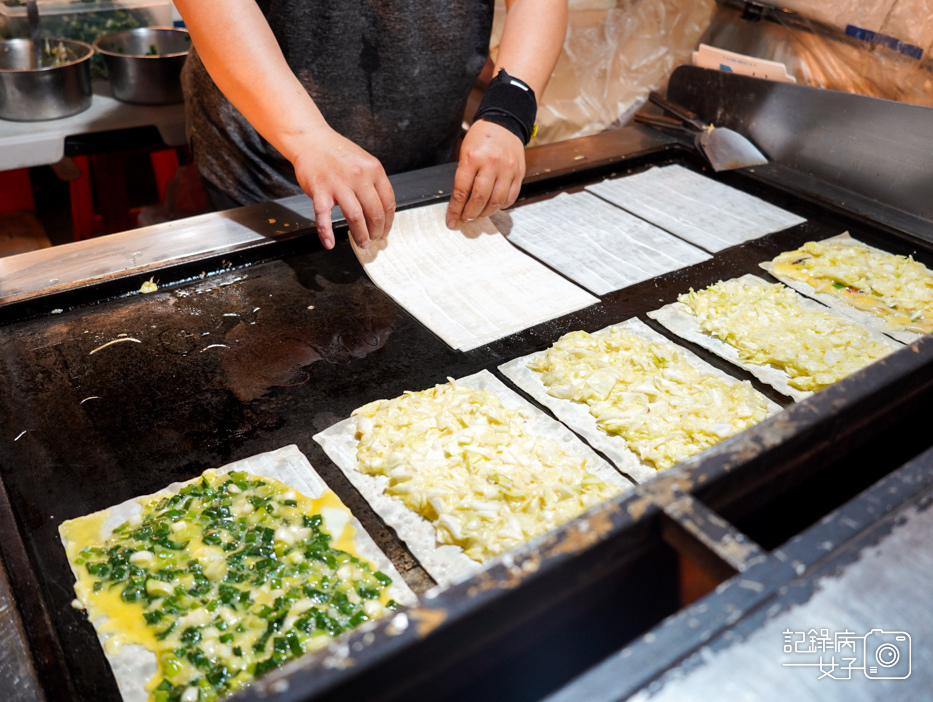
x=276 y=348
x=178 y=341
x=427 y=619
x=585 y=532
x=508 y=577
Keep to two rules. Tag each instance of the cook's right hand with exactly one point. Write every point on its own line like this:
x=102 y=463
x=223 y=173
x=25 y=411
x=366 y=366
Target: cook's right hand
x=333 y=170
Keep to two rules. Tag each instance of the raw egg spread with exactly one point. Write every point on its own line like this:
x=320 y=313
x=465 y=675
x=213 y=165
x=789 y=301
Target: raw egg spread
x=223 y=581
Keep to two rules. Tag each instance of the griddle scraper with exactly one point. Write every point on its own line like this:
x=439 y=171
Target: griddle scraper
x=725 y=149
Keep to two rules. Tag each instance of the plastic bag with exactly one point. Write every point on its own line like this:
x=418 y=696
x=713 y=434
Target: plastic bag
x=907 y=21
x=832 y=51
x=614 y=54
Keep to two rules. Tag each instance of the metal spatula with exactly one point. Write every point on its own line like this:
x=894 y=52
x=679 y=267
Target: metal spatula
x=724 y=148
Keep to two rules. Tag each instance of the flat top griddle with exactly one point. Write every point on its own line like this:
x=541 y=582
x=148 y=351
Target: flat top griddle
x=308 y=340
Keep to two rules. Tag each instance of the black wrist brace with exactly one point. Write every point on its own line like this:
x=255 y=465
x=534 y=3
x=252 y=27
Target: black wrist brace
x=510 y=103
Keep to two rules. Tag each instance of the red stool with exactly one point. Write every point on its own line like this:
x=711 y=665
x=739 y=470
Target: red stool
x=108 y=173
x=82 y=204
x=16 y=191
x=164 y=166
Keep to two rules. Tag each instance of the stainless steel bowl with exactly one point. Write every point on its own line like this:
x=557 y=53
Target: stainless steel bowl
x=145 y=63
x=60 y=87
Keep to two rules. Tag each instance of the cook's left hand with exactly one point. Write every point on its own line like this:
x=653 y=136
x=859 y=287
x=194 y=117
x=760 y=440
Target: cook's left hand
x=489 y=174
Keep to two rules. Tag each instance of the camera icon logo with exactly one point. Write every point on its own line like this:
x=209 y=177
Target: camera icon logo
x=887 y=655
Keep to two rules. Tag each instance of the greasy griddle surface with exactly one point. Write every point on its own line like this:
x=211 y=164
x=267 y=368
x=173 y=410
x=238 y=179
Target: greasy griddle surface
x=168 y=408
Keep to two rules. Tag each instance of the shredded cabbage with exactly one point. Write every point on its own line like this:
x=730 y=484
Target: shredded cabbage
x=465 y=463
x=648 y=393
x=767 y=325
x=896 y=288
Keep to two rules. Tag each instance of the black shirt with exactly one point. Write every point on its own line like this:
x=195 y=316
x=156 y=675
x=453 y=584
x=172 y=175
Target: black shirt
x=391 y=75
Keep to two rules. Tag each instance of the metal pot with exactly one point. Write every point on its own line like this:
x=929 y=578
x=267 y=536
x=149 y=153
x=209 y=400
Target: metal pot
x=145 y=63
x=30 y=93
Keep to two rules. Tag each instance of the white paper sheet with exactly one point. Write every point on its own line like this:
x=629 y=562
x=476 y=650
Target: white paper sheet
x=680 y=319
x=866 y=319
x=447 y=563
x=133 y=665
x=701 y=210
x=577 y=416
x=600 y=246
x=468 y=286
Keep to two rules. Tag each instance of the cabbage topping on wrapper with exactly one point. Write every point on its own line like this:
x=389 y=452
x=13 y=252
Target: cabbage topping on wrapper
x=648 y=393
x=466 y=463
x=896 y=288
x=768 y=326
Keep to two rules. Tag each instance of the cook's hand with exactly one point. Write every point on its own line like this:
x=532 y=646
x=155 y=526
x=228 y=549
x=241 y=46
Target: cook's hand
x=333 y=170
x=489 y=175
